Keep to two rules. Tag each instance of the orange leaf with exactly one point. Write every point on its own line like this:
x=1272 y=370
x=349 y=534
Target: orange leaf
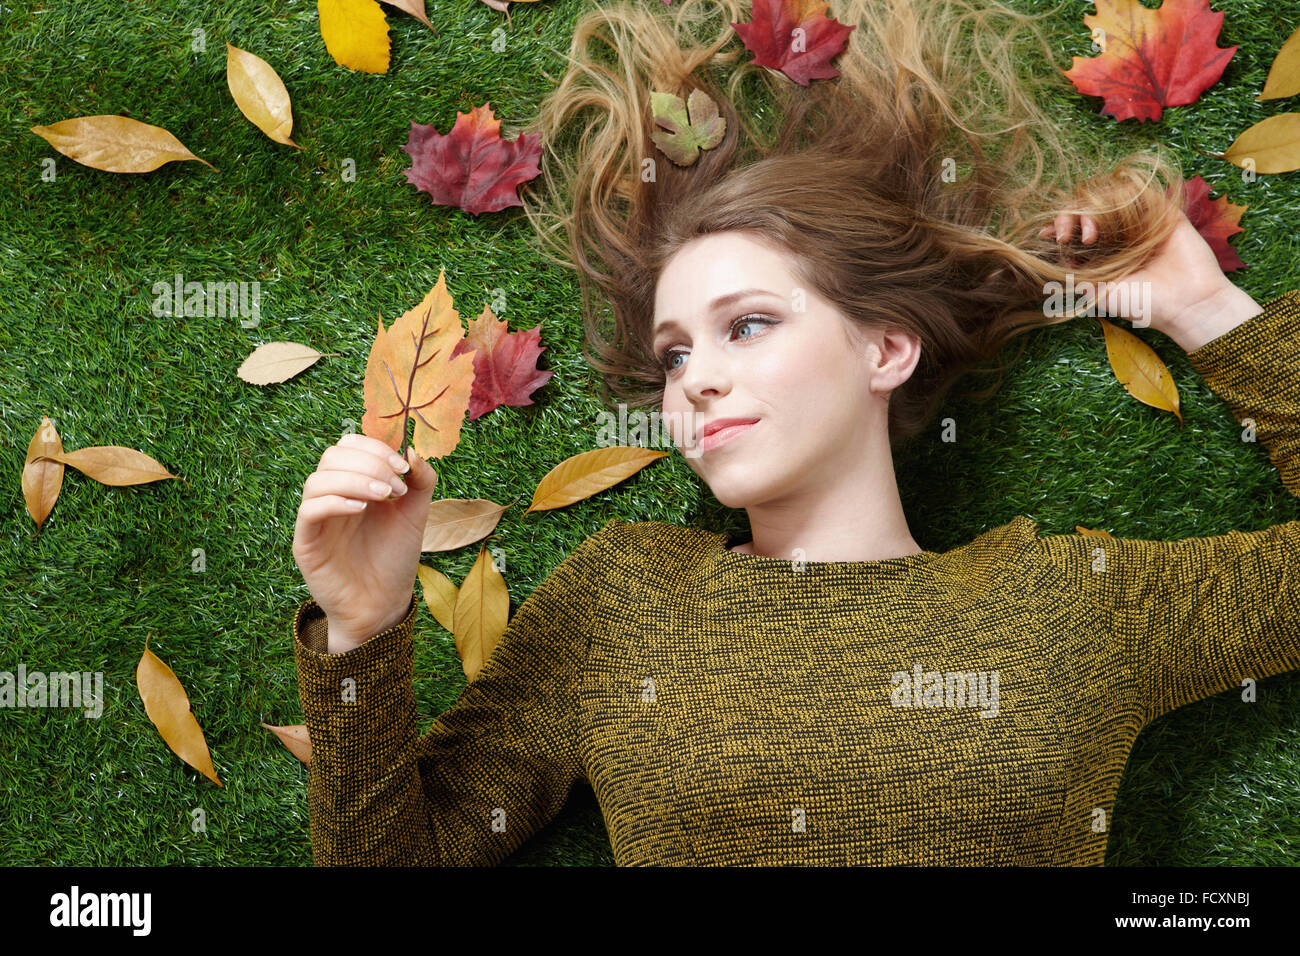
x=1150 y=59
x=413 y=372
x=582 y=475
x=113 y=465
x=42 y=477
x=295 y=738
x=115 y=144
x=1139 y=369
x=169 y=708
x=1092 y=533
x=482 y=609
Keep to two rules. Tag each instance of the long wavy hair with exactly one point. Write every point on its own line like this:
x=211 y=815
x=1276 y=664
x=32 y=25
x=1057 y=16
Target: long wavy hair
x=908 y=191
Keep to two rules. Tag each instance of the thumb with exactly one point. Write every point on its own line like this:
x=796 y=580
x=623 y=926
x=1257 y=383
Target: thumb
x=421 y=477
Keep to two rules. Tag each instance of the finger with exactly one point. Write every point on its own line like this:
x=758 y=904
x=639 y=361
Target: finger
x=375 y=447
x=350 y=484
x=314 y=512
x=1064 y=227
x=1089 y=230
x=422 y=474
x=343 y=458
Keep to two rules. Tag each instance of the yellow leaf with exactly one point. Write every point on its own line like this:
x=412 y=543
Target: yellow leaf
x=260 y=94
x=482 y=609
x=1093 y=533
x=1140 y=370
x=113 y=465
x=440 y=595
x=456 y=522
x=1284 y=75
x=169 y=708
x=582 y=475
x=355 y=33
x=278 y=361
x=295 y=738
x=42 y=477
x=1272 y=144
x=115 y=144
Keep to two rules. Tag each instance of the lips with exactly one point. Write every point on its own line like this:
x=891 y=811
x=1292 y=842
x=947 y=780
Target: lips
x=719 y=423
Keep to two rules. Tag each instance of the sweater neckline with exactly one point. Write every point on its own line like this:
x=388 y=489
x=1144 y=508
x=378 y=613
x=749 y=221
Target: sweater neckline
x=724 y=558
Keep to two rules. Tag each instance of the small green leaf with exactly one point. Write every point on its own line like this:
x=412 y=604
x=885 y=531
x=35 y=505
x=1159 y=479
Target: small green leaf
x=686 y=136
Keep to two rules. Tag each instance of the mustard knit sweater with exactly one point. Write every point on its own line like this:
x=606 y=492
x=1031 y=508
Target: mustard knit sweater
x=971 y=707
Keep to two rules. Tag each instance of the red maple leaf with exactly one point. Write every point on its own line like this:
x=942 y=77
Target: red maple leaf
x=1215 y=220
x=472 y=167
x=1150 y=59
x=795 y=37
x=505 y=364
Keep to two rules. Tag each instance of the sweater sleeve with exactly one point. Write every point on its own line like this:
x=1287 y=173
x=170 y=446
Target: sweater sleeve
x=1196 y=616
x=492 y=770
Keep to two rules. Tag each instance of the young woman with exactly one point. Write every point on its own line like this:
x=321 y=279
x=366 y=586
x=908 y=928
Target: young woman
x=826 y=691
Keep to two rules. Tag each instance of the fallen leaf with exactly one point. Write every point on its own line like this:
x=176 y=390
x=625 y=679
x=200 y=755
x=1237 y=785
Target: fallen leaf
x=42 y=479
x=113 y=465
x=440 y=595
x=413 y=372
x=1139 y=369
x=115 y=144
x=505 y=364
x=482 y=608
x=456 y=522
x=472 y=167
x=1284 y=75
x=683 y=135
x=168 y=707
x=584 y=474
x=415 y=8
x=1270 y=146
x=1096 y=534
x=355 y=33
x=295 y=738
x=260 y=94
x=1150 y=59
x=278 y=361
x=1215 y=220
x=803 y=55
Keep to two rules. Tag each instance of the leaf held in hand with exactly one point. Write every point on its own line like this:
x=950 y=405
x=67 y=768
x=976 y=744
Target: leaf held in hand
x=1150 y=59
x=589 y=472
x=1139 y=369
x=168 y=707
x=482 y=610
x=413 y=373
x=795 y=37
x=472 y=167
x=355 y=33
x=456 y=522
x=114 y=465
x=295 y=738
x=115 y=144
x=505 y=364
x=260 y=94
x=440 y=594
x=277 y=362
x=42 y=479
x=683 y=136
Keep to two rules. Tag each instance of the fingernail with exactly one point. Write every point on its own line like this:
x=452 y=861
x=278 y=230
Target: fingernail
x=399 y=463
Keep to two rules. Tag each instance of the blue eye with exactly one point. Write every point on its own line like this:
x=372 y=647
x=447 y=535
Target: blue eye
x=667 y=356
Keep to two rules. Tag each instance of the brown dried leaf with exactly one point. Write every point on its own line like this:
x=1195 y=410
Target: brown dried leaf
x=277 y=362
x=414 y=7
x=582 y=475
x=114 y=465
x=456 y=522
x=42 y=478
x=1284 y=75
x=295 y=738
x=115 y=144
x=260 y=94
x=1140 y=370
x=482 y=610
x=168 y=707
x=440 y=594
x=1098 y=533
x=1272 y=145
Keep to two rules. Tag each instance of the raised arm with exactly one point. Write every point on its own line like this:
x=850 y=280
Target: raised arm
x=1196 y=616
x=491 y=771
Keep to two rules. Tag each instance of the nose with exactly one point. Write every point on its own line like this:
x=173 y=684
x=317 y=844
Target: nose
x=705 y=376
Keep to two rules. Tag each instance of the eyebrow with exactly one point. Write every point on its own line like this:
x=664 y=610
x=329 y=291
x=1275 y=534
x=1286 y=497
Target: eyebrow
x=718 y=303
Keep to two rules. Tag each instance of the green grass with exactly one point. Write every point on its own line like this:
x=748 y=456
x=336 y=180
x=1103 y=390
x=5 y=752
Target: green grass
x=1212 y=783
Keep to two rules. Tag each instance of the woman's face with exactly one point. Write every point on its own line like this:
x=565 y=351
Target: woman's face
x=815 y=387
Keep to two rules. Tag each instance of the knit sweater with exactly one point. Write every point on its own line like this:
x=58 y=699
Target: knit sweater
x=739 y=709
